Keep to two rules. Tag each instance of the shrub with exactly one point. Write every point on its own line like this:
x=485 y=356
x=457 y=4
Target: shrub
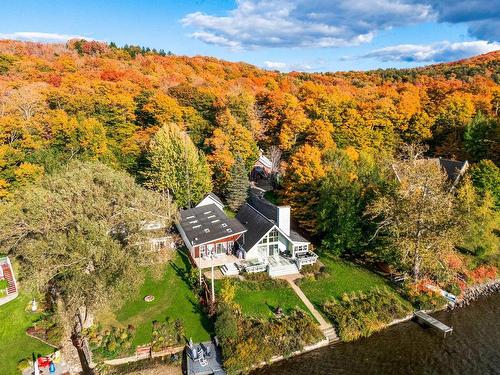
x=249 y=341
x=422 y=297
x=226 y=325
x=312 y=269
x=360 y=314
x=3 y=284
x=110 y=343
x=260 y=281
x=167 y=334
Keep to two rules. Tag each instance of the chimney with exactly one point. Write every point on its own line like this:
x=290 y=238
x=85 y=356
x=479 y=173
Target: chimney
x=283 y=214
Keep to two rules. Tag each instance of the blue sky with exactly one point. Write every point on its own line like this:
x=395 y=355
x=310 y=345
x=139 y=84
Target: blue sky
x=308 y=35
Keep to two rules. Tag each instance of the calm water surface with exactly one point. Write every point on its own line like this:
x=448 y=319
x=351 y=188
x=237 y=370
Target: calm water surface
x=407 y=348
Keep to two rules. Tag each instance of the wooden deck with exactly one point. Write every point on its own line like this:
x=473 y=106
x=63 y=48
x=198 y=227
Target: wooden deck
x=217 y=261
x=432 y=322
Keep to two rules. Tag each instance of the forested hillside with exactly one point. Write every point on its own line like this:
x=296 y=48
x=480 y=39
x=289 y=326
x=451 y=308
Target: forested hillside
x=94 y=101
x=329 y=132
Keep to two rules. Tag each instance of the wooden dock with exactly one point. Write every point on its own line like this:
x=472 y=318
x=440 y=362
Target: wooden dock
x=432 y=322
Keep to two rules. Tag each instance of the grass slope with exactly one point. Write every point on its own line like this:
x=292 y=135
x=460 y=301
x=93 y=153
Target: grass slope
x=14 y=343
x=261 y=298
x=173 y=298
x=341 y=277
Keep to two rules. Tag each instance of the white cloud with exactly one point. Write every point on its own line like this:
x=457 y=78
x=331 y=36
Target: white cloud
x=436 y=52
x=41 y=37
x=315 y=65
x=275 y=65
x=304 y=23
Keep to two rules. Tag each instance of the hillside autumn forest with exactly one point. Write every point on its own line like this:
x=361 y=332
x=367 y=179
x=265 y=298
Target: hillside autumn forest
x=333 y=136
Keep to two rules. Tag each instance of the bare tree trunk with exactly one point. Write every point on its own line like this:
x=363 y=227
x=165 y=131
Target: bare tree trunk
x=77 y=341
x=416 y=266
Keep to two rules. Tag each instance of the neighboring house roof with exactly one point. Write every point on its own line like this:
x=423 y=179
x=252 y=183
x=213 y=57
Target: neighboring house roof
x=207 y=224
x=209 y=199
x=265 y=161
x=215 y=198
x=454 y=169
x=257 y=224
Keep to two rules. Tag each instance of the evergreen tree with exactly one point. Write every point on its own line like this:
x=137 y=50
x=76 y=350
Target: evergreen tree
x=177 y=166
x=237 y=190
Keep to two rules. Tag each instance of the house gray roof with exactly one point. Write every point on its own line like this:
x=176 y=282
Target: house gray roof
x=257 y=224
x=265 y=207
x=208 y=223
x=259 y=216
x=296 y=237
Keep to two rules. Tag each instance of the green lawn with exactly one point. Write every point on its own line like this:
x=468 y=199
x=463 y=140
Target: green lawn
x=341 y=277
x=263 y=300
x=14 y=343
x=173 y=299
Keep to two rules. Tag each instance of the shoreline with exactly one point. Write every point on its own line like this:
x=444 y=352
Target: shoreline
x=470 y=295
x=477 y=291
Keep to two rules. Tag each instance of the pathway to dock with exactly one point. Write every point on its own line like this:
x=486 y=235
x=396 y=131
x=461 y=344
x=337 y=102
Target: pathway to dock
x=327 y=329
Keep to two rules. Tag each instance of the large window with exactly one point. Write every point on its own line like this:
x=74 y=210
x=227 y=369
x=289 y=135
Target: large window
x=273 y=235
x=301 y=248
x=221 y=248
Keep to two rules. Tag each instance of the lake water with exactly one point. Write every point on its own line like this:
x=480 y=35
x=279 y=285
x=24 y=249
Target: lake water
x=407 y=348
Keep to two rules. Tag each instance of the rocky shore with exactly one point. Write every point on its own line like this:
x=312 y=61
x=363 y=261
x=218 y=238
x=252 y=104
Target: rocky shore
x=476 y=291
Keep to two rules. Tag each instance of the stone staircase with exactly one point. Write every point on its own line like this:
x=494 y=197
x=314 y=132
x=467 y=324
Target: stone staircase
x=330 y=333
x=7 y=274
x=229 y=269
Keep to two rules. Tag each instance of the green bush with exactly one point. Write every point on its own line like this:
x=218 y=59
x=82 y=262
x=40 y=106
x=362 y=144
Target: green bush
x=260 y=281
x=3 y=284
x=360 y=314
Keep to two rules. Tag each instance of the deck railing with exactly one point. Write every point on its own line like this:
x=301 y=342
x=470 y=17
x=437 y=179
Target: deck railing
x=256 y=268
x=306 y=259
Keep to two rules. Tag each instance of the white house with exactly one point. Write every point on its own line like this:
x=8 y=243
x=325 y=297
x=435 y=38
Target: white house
x=270 y=243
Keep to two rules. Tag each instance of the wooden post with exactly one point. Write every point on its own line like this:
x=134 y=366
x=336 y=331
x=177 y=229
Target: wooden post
x=213 y=288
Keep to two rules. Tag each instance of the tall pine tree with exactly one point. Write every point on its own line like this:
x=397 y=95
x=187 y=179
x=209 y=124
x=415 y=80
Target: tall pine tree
x=239 y=185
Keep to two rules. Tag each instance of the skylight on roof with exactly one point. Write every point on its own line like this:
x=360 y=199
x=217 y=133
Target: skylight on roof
x=229 y=230
x=193 y=221
x=224 y=225
x=211 y=216
x=196 y=226
x=207 y=213
x=206 y=230
x=215 y=221
x=190 y=217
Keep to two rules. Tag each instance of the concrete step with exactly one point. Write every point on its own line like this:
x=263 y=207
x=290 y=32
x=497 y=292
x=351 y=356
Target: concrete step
x=330 y=334
x=229 y=269
x=288 y=269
